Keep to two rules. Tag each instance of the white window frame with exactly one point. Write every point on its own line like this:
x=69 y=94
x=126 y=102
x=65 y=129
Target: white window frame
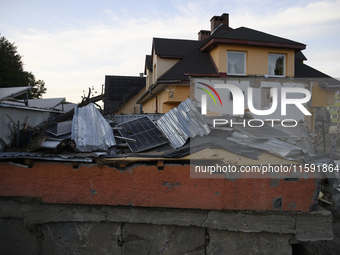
x=244 y=63
x=284 y=64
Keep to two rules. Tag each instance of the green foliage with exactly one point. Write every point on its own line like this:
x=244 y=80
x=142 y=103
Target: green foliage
x=12 y=73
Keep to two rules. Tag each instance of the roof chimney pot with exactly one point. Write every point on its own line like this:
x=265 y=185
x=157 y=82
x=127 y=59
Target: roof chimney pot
x=218 y=20
x=203 y=34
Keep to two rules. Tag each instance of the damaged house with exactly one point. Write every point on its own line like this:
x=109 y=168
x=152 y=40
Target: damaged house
x=169 y=181
x=230 y=54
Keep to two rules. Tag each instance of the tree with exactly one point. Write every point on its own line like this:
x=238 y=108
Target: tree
x=38 y=87
x=12 y=73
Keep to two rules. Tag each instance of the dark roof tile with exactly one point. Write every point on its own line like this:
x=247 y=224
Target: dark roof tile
x=305 y=71
x=174 y=47
x=244 y=33
x=197 y=62
x=148 y=64
x=325 y=81
x=300 y=56
x=120 y=89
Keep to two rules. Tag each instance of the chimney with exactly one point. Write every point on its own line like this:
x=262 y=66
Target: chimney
x=218 y=20
x=203 y=34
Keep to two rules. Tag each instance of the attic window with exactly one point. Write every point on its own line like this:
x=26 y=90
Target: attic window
x=236 y=63
x=276 y=64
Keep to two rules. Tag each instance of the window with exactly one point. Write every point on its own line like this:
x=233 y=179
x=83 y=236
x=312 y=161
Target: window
x=276 y=64
x=236 y=63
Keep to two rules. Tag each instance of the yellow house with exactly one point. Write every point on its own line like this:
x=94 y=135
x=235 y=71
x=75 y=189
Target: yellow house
x=220 y=53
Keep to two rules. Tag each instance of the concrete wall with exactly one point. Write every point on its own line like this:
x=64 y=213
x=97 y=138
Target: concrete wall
x=28 y=226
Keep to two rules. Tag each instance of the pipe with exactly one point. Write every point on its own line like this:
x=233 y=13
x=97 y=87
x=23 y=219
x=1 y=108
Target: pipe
x=156 y=99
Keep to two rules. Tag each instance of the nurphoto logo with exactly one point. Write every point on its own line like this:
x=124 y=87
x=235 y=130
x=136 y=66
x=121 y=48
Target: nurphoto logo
x=238 y=103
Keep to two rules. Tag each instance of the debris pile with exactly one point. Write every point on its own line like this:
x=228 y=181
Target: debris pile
x=83 y=135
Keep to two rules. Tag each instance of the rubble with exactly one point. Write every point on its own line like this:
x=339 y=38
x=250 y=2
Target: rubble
x=183 y=131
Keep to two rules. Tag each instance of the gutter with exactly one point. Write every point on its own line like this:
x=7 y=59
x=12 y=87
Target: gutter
x=211 y=42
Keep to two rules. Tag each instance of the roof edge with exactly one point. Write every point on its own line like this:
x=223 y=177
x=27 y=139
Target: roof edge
x=213 y=41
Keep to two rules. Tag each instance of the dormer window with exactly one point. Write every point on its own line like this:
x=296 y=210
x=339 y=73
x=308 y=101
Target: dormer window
x=276 y=65
x=236 y=63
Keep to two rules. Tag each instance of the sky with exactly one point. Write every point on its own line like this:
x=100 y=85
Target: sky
x=73 y=44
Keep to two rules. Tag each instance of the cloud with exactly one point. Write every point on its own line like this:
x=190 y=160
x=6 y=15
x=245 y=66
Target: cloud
x=71 y=59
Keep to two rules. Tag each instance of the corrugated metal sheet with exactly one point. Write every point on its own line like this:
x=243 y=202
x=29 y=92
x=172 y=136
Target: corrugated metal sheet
x=46 y=103
x=265 y=131
x=124 y=118
x=23 y=107
x=90 y=131
x=60 y=128
x=13 y=91
x=65 y=107
x=272 y=146
x=80 y=157
x=302 y=139
x=183 y=122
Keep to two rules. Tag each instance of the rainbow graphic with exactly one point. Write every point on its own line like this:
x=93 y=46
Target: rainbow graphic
x=209 y=93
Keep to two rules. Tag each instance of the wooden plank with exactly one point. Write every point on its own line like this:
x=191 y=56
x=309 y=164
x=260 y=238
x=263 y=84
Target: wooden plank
x=28 y=162
x=160 y=164
x=133 y=159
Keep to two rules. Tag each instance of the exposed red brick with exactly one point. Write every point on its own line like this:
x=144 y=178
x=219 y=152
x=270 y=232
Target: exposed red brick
x=149 y=187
